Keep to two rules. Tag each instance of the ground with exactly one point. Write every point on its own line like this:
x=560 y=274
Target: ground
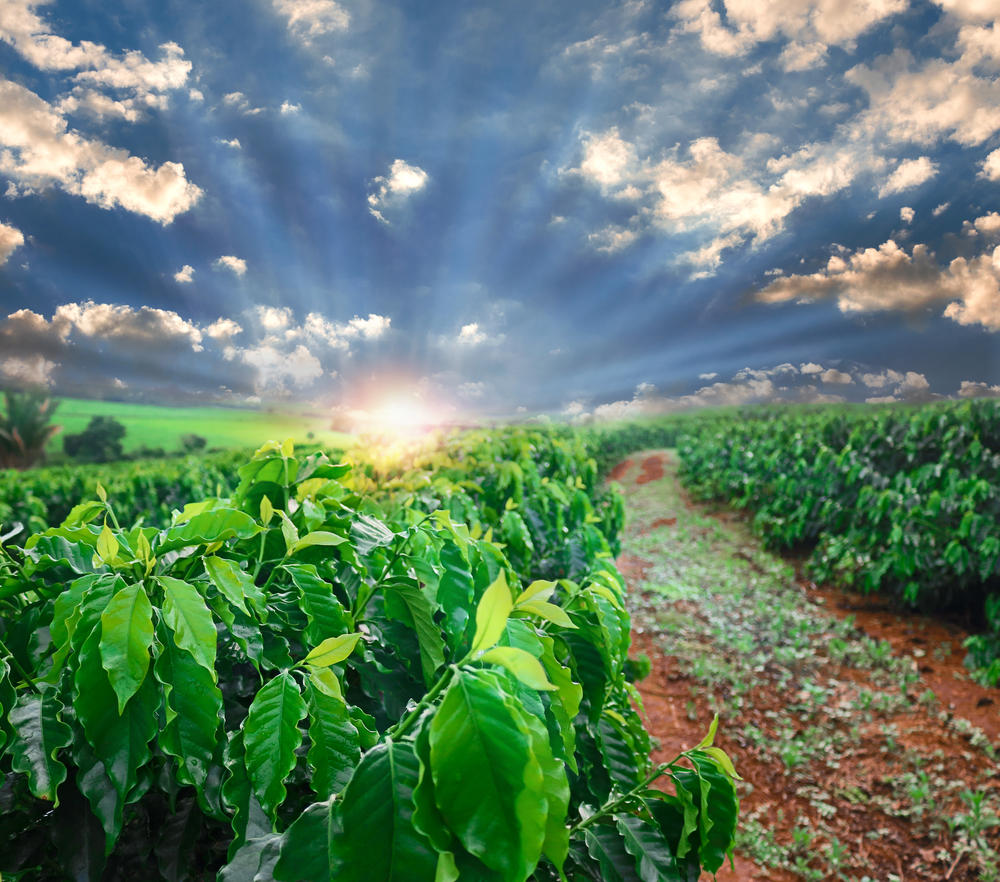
x=153 y=425
x=867 y=751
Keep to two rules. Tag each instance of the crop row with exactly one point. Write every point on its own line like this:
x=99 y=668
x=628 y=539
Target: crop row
x=384 y=673
x=900 y=501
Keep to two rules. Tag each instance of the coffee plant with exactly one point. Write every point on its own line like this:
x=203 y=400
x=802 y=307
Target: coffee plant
x=413 y=672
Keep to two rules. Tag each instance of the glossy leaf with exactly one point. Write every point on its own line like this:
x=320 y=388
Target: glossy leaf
x=126 y=635
x=521 y=664
x=491 y=614
x=188 y=617
x=40 y=734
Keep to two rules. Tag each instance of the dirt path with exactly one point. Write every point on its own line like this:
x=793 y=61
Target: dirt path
x=868 y=753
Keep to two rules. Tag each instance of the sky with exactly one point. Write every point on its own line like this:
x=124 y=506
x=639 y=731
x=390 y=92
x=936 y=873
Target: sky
x=583 y=208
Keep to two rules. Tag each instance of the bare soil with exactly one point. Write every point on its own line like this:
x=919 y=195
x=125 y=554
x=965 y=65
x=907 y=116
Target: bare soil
x=845 y=790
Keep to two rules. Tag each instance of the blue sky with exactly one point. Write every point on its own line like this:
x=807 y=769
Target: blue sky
x=586 y=208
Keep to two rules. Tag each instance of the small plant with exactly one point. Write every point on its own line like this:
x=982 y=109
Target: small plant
x=25 y=429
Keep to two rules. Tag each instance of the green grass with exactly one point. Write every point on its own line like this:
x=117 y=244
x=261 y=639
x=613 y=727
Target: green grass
x=154 y=425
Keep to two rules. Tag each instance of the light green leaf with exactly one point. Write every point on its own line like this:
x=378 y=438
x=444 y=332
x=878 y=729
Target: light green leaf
x=539 y=590
x=233 y=583
x=548 y=611
x=107 y=545
x=289 y=531
x=271 y=735
x=722 y=758
x=126 y=635
x=188 y=616
x=521 y=664
x=209 y=527
x=492 y=613
x=266 y=510
x=488 y=784
x=317 y=537
x=709 y=739
x=332 y=651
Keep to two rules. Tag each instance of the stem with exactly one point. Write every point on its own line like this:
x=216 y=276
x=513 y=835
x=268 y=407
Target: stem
x=260 y=554
x=111 y=514
x=611 y=807
x=405 y=724
x=360 y=605
x=19 y=669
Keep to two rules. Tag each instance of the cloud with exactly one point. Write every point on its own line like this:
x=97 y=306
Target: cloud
x=31 y=370
x=236 y=265
x=836 y=377
x=909 y=174
x=239 y=101
x=274 y=318
x=811 y=25
x=470 y=335
x=906 y=214
x=926 y=103
x=889 y=278
x=394 y=190
x=711 y=188
x=287 y=107
x=234 y=143
x=223 y=329
x=185 y=275
x=972 y=389
x=472 y=390
x=991 y=166
x=711 y=375
x=940 y=209
x=881 y=380
x=308 y=19
x=11 y=239
x=277 y=368
x=42 y=151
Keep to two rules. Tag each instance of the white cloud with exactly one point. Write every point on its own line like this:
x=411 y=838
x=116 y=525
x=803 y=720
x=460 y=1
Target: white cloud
x=185 y=275
x=236 y=265
x=812 y=24
x=287 y=107
x=991 y=166
x=972 y=389
x=811 y=368
x=612 y=239
x=275 y=318
x=711 y=375
x=31 y=370
x=470 y=335
x=393 y=190
x=909 y=174
x=111 y=322
x=941 y=209
x=907 y=214
x=277 y=368
x=803 y=56
x=988 y=225
x=840 y=378
x=889 y=278
x=11 y=238
x=881 y=380
x=239 y=101
x=223 y=329
x=43 y=152
x=308 y=19
x=234 y=143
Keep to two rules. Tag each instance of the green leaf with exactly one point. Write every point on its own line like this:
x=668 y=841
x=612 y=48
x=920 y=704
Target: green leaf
x=606 y=846
x=83 y=513
x=39 y=735
x=209 y=527
x=405 y=602
x=709 y=739
x=266 y=510
x=379 y=840
x=332 y=651
x=538 y=591
x=335 y=745
x=317 y=537
x=368 y=533
x=107 y=545
x=188 y=616
x=722 y=758
x=271 y=735
x=236 y=585
x=491 y=614
x=192 y=713
x=647 y=844
x=488 y=784
x=288 y=531
x=521 y=664
x=548 y=611
x=120 y=742
x=126 y=635
x=718 y=815
x=310 y=846
x=326 y=616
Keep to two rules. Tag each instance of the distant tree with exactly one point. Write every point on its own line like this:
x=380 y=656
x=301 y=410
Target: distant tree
x=101 y=441
x=25 y=428
x=192 y=443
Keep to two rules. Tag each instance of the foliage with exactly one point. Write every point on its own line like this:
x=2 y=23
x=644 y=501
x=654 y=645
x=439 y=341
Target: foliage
x=101 y=441
x=319 y=677
x=901 y=501
x=25 y=428
x=192 y=443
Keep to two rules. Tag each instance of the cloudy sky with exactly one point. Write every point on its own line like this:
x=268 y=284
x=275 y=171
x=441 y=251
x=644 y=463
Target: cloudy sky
x=566 y=206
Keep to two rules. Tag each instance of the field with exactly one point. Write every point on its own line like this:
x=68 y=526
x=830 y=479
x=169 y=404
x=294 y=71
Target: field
x=290 y=667
x=154 y=426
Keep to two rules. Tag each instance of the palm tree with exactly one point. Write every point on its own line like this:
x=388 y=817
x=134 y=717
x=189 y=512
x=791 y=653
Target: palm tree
x=25 y=429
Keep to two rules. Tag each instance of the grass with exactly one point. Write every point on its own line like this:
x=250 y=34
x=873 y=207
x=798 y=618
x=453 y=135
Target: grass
x=152 y=425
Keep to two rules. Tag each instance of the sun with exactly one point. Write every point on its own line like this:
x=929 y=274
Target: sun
x=397 y=408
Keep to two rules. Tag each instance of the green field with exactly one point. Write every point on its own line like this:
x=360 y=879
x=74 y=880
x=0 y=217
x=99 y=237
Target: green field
x=153 y=425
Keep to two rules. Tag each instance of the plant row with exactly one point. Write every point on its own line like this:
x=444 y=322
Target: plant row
x=904 y=501
x=408 y=671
